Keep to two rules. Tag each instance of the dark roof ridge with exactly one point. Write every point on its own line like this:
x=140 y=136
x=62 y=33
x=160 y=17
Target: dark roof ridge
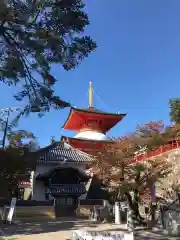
x=96 y=111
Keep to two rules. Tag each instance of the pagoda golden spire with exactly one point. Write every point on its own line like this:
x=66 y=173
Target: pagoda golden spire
x=90 y=94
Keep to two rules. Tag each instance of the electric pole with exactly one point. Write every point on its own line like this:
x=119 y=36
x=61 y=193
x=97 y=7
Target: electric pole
x=6 y=113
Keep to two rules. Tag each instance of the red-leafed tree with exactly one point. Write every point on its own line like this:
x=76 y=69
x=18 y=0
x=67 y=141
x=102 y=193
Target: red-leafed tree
x=124 y=180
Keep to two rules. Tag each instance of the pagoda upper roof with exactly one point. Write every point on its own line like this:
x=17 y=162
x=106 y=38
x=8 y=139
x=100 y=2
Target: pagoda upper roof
x=59 y=153
x=91 y=110
x=77 y=116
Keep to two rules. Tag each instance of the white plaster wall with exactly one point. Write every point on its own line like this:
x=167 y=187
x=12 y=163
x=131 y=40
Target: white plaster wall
x=38 y=191
x=44 y=168
x=38 y=186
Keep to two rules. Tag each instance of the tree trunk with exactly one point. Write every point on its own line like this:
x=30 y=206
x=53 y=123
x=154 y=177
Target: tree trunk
x=134 y=205
x=153 y=212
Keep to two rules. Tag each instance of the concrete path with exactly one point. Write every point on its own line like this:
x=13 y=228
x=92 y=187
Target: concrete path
x=62 y=230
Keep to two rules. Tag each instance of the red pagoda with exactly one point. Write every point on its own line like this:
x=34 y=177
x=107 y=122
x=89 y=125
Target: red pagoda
x=91 y=126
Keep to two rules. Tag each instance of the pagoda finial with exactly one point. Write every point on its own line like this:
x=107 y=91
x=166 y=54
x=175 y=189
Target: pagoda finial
x=90 y=94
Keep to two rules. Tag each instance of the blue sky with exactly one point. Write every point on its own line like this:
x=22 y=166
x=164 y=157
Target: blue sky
x=135 y=69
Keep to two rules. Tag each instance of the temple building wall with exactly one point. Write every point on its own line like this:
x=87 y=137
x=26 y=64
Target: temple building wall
x=39 y=189
x=44 y=168
x=38 y=186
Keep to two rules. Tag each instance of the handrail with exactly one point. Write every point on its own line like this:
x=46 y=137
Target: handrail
x=146 y=195
x=155 y=152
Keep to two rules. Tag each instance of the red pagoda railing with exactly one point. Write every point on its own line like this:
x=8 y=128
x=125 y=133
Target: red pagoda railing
x=156 y=152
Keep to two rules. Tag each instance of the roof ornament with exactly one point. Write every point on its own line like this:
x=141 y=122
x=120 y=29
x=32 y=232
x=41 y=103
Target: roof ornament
x=53 y=140
x=64 y=160
x=90 y=95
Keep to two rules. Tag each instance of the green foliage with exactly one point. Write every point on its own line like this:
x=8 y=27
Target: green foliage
x=33 y=36
x=14 y=165
x=172 y=133
x=151 y=134
x=15 y=161
x=15 y=137
x=175 y=110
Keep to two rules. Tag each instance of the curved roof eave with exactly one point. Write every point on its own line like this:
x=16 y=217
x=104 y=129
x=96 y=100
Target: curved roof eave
x=90 y=112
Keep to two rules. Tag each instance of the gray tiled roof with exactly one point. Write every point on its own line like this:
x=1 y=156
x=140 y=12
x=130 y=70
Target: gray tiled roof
x=61 y=152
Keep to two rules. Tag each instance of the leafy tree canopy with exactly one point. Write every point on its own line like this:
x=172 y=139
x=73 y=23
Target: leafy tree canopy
x=175 y=110
x=15 y=137
x=15 y=161
x=14 y=166
x=114 y=168
x=113 y=164
x=33 y=36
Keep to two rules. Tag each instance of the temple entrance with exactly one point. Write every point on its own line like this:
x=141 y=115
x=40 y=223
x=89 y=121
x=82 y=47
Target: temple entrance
x=66 y=206
x=66 y=176
x=66 y=185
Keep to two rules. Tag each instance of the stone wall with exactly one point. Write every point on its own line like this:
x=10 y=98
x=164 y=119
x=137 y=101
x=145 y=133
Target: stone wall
x=84 y=210
x=34 y=213
x=44 y=210
x=43 y=213
x=169 y=219
x=164 y=188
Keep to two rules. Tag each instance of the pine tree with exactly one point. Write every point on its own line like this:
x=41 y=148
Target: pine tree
x=175 y=110
x=33 y=36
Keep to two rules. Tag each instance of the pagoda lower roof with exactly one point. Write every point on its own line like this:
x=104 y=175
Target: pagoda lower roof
x=87 y=145
x=78 y=119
